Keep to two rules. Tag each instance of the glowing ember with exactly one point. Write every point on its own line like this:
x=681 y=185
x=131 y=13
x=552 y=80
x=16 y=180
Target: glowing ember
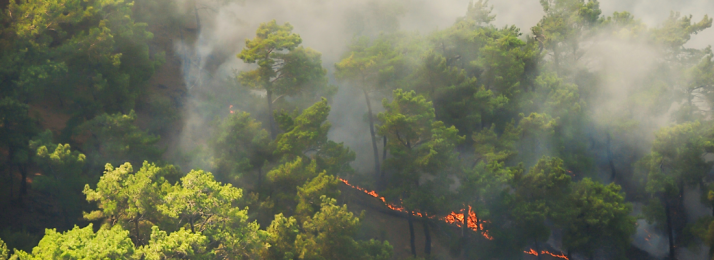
x=230 y=108
x=453 y=217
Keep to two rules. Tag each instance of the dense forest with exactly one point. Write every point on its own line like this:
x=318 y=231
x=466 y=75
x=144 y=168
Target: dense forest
x=226 y=129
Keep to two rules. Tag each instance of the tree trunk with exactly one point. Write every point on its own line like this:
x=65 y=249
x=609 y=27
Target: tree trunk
x=384 y=152
x=427 y=238
x=374 y=138
x=537 y=249
x=198 y=19
x=136 y=226
x=670 y=233
x=23 y=183
x=12 y=183
x=260 y=177
x=465 y=224
x=271 y=120
x=191 y=222
x=680 y=200
x=556 y=58
x=65 y=215
x=465 y=232
x=382 y=182
x=609 y=158
x=9 y=170
x=410 y=220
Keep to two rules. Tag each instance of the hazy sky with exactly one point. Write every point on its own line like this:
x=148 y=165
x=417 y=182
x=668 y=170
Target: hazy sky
x=328 y=25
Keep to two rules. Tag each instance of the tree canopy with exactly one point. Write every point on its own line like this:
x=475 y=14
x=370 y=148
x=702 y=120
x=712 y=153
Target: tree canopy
x=129 y=130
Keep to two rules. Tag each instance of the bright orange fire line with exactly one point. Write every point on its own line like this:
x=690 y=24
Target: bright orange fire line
x=545 y=252
x=453 y=217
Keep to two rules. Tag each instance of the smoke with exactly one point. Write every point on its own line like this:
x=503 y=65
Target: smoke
x=628 y=75
x=326 y=26
x=624 y=68
x=653 y=12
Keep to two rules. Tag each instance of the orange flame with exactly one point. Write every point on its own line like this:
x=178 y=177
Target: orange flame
x=546 y=252
x=230 y=108
x=531 y=252
x=473 y=222
x=453 y=217
x=374 y=194
x=561 y=255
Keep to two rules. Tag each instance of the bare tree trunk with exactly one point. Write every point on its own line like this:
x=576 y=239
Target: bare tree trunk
x=609 y=158
x=670 y=233
x=410 y=220
x=271 y=120
x=198 y=19
x=427 y=236
x=191 y=222
x=23 y=183
x=260 y=177
x=465 y=233
x=9 y=171
x=374 y=138
x=382 y=182
x=537 y=249
x=384 y=151
x=556 y=58
x=711 y=248
x=465 y=224
x=65 y=215
x=136 y=226
x=12 y=183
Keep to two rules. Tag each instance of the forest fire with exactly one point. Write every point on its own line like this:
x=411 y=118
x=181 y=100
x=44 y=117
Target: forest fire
x=457 y=219
x=546 y=252
x=453 y=217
